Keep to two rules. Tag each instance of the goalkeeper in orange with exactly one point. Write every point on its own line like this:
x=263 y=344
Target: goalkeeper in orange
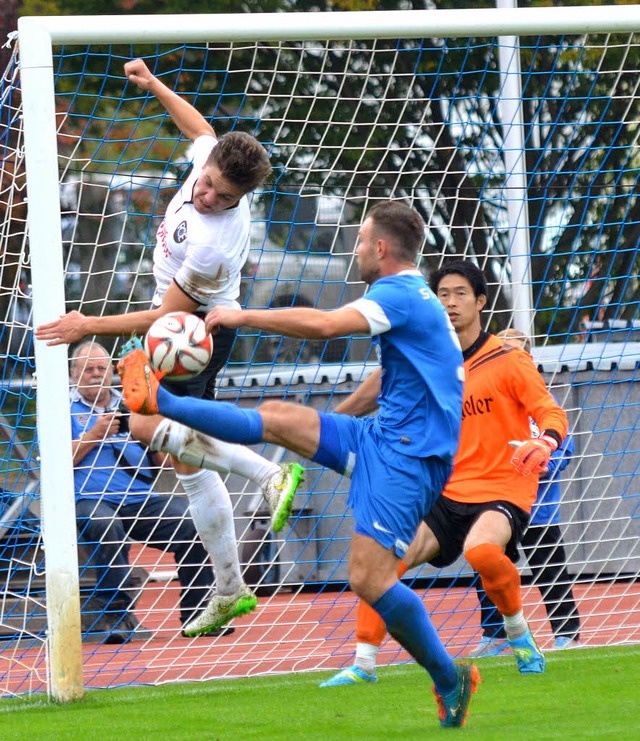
x=485 y=506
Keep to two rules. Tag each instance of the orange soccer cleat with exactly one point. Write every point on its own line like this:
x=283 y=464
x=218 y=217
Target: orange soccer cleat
x=139 y=381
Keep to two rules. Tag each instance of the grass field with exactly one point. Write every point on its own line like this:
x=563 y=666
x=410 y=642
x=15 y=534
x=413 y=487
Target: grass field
x=584 y=694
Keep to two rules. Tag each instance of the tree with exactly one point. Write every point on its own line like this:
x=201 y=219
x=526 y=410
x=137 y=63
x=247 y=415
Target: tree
x=578 y=103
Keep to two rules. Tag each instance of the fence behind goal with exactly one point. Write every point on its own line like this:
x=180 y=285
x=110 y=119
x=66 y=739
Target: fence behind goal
x=380 y=108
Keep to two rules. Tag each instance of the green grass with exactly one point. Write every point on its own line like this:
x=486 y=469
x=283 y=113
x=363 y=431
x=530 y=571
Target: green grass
x=584 y=694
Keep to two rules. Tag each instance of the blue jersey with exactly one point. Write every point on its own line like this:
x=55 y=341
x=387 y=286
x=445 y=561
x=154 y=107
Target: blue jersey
x=420 y=404
x=546 y=510
x=104 y=472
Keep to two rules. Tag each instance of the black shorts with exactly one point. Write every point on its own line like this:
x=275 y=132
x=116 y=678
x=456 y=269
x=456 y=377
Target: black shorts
x=203 y=386
x=451 y=521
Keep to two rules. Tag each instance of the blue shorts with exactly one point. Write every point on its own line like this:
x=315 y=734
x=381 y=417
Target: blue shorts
x=390 y=493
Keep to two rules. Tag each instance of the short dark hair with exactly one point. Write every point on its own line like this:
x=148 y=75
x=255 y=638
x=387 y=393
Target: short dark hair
x=241 y=159
x=402 y=224
x=467 y=270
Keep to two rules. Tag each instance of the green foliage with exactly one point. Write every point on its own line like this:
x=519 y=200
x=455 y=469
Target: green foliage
x=581 y=155
x=17 y=432
x=39 y=7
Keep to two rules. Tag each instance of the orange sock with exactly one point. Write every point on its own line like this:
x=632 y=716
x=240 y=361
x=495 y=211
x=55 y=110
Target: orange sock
x=370 y=627
x=500 y=577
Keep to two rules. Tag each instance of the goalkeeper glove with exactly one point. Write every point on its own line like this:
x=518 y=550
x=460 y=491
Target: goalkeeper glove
x=532 y=456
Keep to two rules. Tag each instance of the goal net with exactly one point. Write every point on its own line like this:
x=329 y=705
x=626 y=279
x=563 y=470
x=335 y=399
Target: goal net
x=517 y=142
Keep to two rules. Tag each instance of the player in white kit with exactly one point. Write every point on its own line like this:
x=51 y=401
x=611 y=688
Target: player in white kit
x=201 y=247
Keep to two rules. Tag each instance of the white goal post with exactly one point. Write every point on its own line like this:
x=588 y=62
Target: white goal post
x=37 y=38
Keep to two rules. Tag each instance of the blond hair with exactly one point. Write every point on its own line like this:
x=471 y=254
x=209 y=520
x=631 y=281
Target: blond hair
x=516 y=334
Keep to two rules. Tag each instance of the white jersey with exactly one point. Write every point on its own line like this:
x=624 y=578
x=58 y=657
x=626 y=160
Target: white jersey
x=202 y=253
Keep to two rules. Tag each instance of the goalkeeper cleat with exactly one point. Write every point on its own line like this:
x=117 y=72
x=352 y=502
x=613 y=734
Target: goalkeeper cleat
x=489 y=647
x=139 y=382
x=528 y=656
x=352 y=675
x=220 y=610
x=279 y=492
x=454 y=707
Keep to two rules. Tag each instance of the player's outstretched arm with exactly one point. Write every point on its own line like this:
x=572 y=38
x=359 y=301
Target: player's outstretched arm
x=74 y=326
x=301 y=322
x=185 y=116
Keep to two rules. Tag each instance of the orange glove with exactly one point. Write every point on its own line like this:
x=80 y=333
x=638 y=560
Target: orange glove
x=532 y=456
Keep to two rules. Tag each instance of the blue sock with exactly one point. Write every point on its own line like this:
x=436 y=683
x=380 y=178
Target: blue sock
x=215 y=418
x=409 y=623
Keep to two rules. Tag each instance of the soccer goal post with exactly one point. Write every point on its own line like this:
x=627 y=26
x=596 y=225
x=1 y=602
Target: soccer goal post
x=353 y=108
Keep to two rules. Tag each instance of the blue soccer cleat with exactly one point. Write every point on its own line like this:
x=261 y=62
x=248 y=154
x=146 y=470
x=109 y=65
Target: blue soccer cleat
x=489 y=647
x=133 y=343
x=454 y=707
x=528 y=656
x=352 y=675
x=563 y=642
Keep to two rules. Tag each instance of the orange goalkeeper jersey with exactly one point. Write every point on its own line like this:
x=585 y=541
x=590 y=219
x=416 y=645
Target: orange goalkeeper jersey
x=502 y=390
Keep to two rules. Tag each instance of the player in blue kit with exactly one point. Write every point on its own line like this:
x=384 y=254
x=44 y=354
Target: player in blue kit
x=399 y=460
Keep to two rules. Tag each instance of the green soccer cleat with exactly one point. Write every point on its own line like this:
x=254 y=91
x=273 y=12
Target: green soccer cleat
x=528 y=656
x=220 y=610
x=352 y=675
x=454 y=707
x=280 y=491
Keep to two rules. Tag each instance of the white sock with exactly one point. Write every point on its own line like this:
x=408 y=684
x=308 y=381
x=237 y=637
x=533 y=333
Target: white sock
x=366 y=655
x=515 y=625
x=246 y=462
x=212 y=513
x=201 y=451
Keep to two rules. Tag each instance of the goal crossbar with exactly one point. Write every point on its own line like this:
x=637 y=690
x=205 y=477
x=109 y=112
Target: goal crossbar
x=336 y=26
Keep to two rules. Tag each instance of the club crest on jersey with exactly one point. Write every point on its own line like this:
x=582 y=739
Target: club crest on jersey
x=180 y=233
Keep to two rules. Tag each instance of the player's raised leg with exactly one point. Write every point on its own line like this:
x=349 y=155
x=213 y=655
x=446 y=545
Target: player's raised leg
x=277 y=481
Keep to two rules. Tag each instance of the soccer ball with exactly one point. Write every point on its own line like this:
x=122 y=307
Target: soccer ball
x=179 y=344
